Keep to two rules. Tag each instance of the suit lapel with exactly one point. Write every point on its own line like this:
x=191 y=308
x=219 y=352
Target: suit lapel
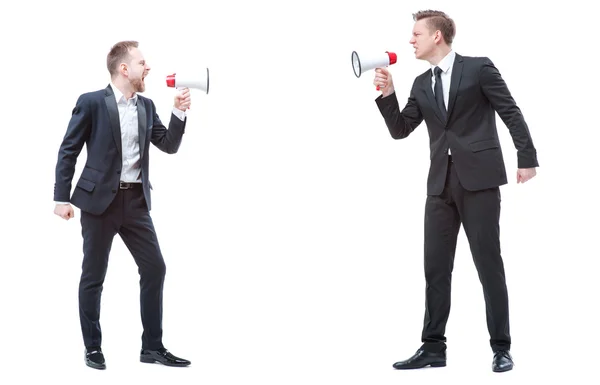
x=141 y=113
x=431 y=97
x=455 y=82
x=113 y=115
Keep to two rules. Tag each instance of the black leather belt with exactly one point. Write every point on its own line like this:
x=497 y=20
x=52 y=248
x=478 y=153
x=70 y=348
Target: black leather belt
x=128 y=185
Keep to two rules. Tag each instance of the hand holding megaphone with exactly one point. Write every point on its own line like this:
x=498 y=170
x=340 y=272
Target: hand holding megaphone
x=183 y=100
x=369 y=62
x=383 y=81
x=189 y=80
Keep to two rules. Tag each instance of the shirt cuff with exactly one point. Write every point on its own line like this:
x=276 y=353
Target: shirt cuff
x=180 y=114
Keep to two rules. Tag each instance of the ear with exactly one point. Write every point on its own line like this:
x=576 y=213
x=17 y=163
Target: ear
x=123 y=69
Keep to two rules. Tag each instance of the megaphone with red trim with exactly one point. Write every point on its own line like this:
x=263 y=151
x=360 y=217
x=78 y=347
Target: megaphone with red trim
x=189 y=80
x=363 y=63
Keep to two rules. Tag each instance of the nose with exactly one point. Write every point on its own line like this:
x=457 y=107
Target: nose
x=412 y=40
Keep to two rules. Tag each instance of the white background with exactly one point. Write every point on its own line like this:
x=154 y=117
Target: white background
x=290 y=221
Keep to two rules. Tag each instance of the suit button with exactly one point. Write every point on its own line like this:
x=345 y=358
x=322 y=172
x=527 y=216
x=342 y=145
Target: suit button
x=114 y=191
x=118 y=171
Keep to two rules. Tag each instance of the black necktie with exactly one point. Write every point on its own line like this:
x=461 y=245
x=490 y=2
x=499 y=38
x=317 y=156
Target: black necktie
x=439 y=92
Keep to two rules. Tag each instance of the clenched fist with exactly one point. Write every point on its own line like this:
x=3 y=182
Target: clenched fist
x=525 y=174
x=65 y=211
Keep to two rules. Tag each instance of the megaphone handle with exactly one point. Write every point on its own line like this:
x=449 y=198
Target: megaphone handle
x=377 y=88
x=179 y=89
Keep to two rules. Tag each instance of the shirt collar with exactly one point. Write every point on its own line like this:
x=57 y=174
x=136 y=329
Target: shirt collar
x=120 y=98
x=446 y=63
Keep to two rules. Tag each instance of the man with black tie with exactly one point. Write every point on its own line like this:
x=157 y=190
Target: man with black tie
x=458 y=99
x=118 y=125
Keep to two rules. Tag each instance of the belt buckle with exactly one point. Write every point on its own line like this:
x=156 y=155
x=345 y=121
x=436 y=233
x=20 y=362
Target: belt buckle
x=124 y=185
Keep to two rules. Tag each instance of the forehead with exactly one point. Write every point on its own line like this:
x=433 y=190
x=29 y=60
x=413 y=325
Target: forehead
x=421 y=26
x=136 y=54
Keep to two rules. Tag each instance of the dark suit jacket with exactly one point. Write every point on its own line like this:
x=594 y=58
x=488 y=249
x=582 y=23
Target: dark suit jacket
x=95 y=122
x=477 y=92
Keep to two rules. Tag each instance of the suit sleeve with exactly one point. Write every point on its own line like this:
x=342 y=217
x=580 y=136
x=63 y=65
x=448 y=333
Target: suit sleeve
x=496 y=91
x=400 y=123
x=78 y=132
x=167 y=140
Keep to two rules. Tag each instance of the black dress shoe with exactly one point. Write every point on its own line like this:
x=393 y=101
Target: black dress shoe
x=94 y=358
x=502 y=361
x=162 y=356
x=422 y=359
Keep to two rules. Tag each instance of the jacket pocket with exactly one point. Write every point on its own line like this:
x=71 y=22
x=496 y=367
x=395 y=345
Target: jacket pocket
x=484 y=145
x=86 y=185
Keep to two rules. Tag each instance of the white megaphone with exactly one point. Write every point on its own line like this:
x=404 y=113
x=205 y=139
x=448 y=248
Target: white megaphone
x=183 y=80
x=363 y=64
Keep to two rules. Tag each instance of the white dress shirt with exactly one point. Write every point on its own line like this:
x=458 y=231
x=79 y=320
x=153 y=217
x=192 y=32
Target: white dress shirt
x=445 y=65
x=130 y=143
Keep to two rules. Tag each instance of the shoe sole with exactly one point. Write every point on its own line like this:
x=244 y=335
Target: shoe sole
x=94 y=365
x=502 y=370
x=433 y=365
x=150 y=360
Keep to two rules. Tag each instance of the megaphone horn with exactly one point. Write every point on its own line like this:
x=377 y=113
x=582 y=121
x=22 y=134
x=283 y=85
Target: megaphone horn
x=187 y=80
x=361 y=65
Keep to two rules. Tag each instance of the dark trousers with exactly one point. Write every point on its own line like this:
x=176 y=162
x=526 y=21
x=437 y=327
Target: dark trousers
x=479 y=213
x=129 y=217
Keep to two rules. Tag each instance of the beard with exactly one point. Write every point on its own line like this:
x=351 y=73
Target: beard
x=138 y=85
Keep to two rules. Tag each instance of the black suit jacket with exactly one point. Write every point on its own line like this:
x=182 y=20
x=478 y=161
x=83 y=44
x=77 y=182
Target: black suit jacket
x=95 y=122
x=477 y=92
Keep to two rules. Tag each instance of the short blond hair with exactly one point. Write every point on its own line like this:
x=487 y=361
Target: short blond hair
x=438 y=20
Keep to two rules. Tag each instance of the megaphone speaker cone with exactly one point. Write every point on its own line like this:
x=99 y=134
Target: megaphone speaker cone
x=356 y=64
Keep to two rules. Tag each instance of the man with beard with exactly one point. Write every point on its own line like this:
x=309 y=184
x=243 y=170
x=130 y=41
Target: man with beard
x=113 y=193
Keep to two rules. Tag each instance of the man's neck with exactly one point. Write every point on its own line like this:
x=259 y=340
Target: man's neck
x=437 y=57
x=124 y=87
